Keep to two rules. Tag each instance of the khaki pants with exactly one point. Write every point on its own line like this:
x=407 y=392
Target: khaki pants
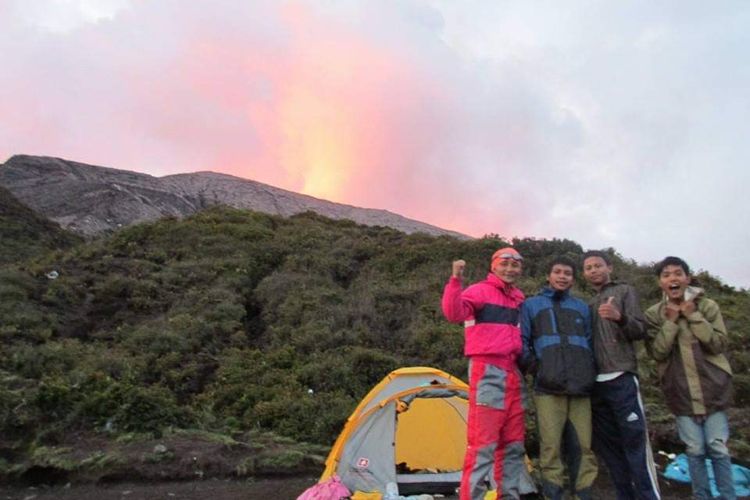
x=553 y=412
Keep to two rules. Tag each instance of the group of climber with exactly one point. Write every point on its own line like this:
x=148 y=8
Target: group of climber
x=582 y=358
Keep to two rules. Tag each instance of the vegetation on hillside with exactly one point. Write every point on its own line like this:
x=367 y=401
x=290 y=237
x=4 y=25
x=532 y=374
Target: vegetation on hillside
x=232 y=322
x=25 y=234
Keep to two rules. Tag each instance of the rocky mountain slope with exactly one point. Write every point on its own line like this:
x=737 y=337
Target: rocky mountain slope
x=91 y=200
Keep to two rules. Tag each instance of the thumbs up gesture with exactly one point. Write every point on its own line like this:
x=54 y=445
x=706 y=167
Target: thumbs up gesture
x=609 y=311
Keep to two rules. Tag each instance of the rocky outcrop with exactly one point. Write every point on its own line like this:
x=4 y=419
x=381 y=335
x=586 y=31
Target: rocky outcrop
x=90 y=200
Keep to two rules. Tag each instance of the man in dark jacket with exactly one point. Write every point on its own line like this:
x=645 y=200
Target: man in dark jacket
x=556 y=332
x=688 y=339
x=620 y=436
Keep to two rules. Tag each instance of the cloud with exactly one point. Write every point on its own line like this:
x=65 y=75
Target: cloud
x=61 y=16
x=614 y=125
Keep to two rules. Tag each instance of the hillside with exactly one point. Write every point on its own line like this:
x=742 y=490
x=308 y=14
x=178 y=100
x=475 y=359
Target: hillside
x=91 y=200
x=25 y=234
x=236 y=327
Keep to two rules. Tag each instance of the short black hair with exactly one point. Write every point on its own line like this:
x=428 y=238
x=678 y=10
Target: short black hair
x=563 y=261
x=671 y=261
x=598 y=253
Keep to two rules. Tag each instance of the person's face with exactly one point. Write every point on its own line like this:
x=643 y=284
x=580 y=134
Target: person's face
x=596 y=271
x=673 y=281
x=560 y=277
x=508 y=270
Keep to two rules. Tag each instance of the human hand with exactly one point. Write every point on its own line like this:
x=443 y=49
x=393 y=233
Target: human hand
x=609 y=311
x=458 y=268
x=672 y=312
x=687 y=307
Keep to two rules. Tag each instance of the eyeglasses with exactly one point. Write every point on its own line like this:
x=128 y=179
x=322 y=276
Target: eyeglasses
x=513 y=256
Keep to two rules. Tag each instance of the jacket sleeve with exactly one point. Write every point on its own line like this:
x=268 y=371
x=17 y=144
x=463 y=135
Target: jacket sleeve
x=632 y=322
x=587 y=326
x=527 y=361
x=459 y=305
x=707 y=325
x=662 y=334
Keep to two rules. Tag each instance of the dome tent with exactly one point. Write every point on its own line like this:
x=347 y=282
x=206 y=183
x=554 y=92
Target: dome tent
x=410 y=429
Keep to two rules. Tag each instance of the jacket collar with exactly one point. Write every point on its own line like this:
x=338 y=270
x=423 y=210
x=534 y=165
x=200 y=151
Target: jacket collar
x=508 y=289
x=613 y=283
x=551 y=293
x=610 y=284
x=693 y=292
x=495 y=280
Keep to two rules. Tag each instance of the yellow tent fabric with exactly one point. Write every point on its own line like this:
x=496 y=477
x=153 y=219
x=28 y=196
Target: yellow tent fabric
x=432 y=434
x=416 y=420
x=361 y=495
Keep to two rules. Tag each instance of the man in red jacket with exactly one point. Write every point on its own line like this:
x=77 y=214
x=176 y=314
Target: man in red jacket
x=489 y=310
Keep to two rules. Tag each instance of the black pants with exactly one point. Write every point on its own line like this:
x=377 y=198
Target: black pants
x=620 y=438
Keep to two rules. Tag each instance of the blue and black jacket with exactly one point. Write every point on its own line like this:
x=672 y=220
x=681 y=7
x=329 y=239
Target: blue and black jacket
x=556 y=333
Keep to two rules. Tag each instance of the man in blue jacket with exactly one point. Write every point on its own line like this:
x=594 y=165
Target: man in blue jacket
x=556 y=332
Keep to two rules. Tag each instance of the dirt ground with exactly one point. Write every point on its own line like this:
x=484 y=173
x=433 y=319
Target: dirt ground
x=194 y=467
x=217 y=489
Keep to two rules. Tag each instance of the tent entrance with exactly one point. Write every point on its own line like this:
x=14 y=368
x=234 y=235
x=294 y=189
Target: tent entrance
x=430 y=443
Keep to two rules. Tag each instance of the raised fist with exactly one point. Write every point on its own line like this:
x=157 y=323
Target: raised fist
x=458 y=268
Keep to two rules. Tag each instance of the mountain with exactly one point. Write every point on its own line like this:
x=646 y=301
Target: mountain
x=91 y=200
